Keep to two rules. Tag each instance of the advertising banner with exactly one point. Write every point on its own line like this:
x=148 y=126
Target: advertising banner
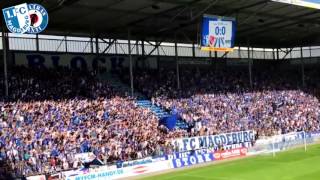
x=40 y=177
x=137 y=162
x=123 y=172
x=192 y=160
x=103 y=175
x=228 y=154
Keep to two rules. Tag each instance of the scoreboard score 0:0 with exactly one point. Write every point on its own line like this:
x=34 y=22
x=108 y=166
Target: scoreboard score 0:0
x=218 y=33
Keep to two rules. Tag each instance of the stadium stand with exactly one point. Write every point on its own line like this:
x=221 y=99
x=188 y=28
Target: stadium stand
x=43 y=126
x=52 y=114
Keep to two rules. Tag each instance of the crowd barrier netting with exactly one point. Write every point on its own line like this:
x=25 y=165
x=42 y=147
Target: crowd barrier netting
x=284 y=142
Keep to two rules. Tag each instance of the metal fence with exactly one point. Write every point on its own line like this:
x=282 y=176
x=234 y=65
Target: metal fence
x=107 y=46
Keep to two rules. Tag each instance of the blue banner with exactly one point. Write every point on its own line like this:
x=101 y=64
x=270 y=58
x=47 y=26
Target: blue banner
x=169 y=122
x=192 y=160
x=178 y=155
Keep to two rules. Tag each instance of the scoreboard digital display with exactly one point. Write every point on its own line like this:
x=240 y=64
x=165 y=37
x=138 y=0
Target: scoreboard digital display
x=218 y=33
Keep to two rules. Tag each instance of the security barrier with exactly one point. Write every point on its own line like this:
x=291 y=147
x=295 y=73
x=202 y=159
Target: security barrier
x=270 y=145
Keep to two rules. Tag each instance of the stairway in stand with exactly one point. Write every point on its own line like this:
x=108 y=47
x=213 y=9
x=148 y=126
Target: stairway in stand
x=160 y=112
x=142 y=101
x=116 y=83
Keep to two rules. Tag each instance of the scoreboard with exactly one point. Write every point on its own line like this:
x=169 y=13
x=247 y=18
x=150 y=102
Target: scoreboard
x=218 y=33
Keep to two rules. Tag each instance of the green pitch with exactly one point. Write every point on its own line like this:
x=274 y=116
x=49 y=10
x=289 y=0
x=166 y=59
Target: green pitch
x=292 y=165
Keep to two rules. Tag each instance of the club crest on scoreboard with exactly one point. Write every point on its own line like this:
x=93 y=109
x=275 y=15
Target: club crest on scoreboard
x=26 y=18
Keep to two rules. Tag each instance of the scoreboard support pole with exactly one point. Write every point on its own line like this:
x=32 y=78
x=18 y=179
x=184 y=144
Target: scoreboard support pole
x=302 y=67
x=5 y=56
x=130 y=60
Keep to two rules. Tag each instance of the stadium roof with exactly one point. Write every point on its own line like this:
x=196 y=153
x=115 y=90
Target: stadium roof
x=261 y=23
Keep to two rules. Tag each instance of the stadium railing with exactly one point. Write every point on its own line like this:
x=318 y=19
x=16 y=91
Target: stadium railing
x=284 y=142
x=120 y=47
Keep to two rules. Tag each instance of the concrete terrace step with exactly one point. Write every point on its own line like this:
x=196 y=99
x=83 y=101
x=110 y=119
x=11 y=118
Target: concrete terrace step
x=160 y=113
x=116 y=82
x=155 y=109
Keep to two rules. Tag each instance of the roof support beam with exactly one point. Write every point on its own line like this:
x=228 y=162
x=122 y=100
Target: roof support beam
x=287 y=52
x=109 y=45
x=155 y=46
x=225 y=54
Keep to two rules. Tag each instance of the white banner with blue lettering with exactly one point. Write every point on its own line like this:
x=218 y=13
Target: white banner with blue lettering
x=187 y=144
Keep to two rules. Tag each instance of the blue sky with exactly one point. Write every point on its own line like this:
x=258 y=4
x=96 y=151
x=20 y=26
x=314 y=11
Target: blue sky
x=312 y=1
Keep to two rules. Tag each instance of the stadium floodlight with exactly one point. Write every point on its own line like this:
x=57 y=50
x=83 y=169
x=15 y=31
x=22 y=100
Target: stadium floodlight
x=305 y=3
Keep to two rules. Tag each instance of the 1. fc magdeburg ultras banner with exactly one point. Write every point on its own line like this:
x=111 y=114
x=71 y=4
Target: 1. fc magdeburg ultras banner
x=187 y=144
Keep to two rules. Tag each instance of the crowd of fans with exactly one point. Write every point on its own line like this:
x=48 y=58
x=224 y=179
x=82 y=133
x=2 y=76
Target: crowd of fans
x=51 y=115
x=213 y=102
